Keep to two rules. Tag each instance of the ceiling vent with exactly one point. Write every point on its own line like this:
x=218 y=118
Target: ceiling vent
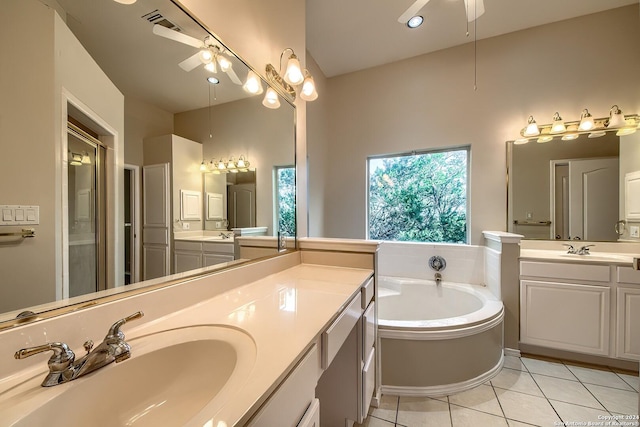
x=155 y=17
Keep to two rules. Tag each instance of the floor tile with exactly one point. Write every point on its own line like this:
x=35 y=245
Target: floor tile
x=614 y=400
x=528 y=409
x=387 y=409
x=566 y=391
x=464 y=417
x=481 y=398
x=632 y=380
x=578 y=414
x=552 y=369
x=520 y=381
x=513 y=362
x=598 y=377
x=423 y=412
x=374 y=422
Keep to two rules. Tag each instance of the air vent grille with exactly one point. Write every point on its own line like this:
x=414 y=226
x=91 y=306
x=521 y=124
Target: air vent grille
x=155 y=17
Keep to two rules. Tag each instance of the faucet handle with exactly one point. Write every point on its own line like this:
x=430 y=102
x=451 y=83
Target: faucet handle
x=114 y=330
x=570 y=248
x=62 y=356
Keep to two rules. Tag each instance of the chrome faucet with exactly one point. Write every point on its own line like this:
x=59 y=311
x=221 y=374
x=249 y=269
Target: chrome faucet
x=62 y=364
x=570 y=249
x=584 y=250
x=438 y=278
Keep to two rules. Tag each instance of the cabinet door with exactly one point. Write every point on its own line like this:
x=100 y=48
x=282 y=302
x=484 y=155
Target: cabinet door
x=212 y=259
x=628 y=323
x=565 y=316
x=185 y=261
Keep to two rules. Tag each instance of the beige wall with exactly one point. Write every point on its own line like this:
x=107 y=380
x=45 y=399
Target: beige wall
x=246 y=128
x=34 y=120
x=142 y=121
x=186 y=175
x=429 y=102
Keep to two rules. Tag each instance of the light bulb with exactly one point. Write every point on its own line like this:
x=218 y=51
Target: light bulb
x=558 y=125
x=532 y=128
x=253 y=85
x=415 y=21
x=205 y=56
x=293 y=74
x=211 y=67
x=308 y=92
x=225 y=64
x=586 y=121
x=271 y=99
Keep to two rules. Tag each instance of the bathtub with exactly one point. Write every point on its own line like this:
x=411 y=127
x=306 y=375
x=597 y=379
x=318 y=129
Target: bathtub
x=437 y=340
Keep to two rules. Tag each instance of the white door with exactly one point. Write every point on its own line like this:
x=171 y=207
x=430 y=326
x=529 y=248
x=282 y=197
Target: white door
x=593 y=199
x=155 y=228
x=242 y=205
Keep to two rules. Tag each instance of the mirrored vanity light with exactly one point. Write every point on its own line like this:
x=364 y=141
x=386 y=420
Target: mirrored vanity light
x=294 y=79
x=595 y=128
x=271 y=99
x=230 y=166
x=253 y=85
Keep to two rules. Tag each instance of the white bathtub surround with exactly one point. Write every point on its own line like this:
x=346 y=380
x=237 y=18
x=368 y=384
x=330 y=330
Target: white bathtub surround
x=282 y=304
x=465 y=263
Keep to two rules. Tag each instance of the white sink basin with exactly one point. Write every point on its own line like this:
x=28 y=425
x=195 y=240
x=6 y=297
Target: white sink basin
x=603 y=257
x=171 y=377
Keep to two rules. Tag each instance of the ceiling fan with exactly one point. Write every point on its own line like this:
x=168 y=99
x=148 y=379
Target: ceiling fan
x=474 y=9
x=209 y=54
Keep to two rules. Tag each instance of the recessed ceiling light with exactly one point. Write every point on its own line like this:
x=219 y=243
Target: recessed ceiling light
x=213 y=80
x=415 y=22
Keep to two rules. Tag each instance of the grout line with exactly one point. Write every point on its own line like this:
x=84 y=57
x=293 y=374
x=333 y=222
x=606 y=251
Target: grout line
x=594 y=396
x=499 y=403
x=626 y=382
x=543 y=393
x=450 y=414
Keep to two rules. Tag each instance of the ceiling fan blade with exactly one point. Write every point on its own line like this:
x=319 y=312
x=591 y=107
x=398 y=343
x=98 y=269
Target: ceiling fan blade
x=191 y=62
x=412 y=11
x=474 y=9
x=165 y=32
x=233 y=76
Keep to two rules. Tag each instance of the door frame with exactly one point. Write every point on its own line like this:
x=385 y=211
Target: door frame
x=136 y=241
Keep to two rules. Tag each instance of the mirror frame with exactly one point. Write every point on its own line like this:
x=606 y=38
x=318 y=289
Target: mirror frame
x=28 y=317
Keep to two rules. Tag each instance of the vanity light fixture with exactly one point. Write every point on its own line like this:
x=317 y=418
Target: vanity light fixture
x=220 y=166
x=271 y=99
x=75 y=159
x=558 y=125
x=293 y=77
x=586 y=121
x=592 y=127
x=86 y=160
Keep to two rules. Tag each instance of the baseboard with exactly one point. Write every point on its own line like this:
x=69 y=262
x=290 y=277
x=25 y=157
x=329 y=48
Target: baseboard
x=529 y=349
x=511 y=352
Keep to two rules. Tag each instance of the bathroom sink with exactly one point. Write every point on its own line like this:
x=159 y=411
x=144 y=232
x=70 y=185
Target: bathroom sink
x=601 y=257
x=171 y=377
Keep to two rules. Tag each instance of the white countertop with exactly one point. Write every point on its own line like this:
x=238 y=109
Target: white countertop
x=562 y=256
x=283 y=313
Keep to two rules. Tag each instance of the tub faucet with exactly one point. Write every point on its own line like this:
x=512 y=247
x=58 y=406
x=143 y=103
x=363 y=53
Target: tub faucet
x=438 y=278
x=64 y=368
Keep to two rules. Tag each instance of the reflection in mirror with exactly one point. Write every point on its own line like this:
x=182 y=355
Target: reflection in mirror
x=570 y=190
x=140 y=94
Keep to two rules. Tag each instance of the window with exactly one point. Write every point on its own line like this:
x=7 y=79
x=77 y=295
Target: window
x=419 y=197
x=285 y=200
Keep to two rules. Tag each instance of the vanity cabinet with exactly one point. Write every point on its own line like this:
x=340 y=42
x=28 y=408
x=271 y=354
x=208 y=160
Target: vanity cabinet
x=189 y=255
x=585 y=308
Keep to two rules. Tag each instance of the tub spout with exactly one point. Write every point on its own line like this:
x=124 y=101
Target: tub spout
x=438 y=278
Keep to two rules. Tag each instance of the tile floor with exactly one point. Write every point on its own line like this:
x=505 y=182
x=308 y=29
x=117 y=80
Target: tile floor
x=527 y=392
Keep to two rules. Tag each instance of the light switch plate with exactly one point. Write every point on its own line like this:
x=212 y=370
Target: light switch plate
x=19 y=215
x=634 y=231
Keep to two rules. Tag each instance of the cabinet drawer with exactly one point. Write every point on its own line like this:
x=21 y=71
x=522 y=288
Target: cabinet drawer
x=368 y=382
x=369 y=325
x=180 y=245
x=339 y=330
x=628 y=275
x=213 y=259
x=367 y=293
x=220 y=248
x=557 y=270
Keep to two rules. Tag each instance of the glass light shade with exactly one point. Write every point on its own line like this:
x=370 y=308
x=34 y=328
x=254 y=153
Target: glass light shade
x=616 y=118
x=544 y=139
x=308 y=92
x=558 y=125
x=253 y=85
x=203 y=167
x=125 y=1
x=532 y=128
x=271 y=99
x=293 y=74
x=241 y=163
x=626 y=131
x=586 y=121
x=597 y=134
x=520 y=141
x=221 y=165
x=205 y=56
x=211 y=67
x=76 y=159
x=570 y=136
x=225 y=64
x=86 y=160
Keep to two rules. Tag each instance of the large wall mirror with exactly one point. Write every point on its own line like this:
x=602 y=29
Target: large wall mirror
x=572 y=190
x=102 y=100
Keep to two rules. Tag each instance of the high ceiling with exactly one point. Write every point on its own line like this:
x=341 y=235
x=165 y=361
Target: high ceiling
x=345 y=36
